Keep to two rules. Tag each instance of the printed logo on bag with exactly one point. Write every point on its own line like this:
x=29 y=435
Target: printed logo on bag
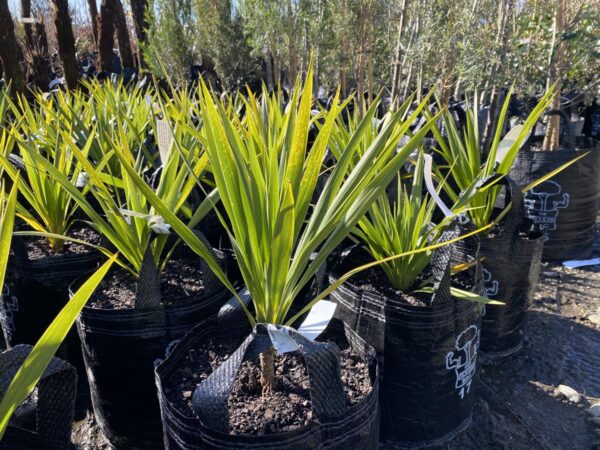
x=543 y=202
x=464 y=359
x=10 y=303
x=490 y=288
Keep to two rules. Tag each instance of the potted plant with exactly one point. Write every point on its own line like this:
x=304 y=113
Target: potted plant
x=24 y=368
x=565 y=207
x=44 y=261
x=154 y=294
x=415 y=311
x=266 y=177
x=511 y=250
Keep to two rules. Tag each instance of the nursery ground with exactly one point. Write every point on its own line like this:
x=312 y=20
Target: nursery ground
x=520 y=405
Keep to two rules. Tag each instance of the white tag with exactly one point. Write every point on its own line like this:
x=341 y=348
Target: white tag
x=82 y=180
x=156 y=222
x=431 y=187
x=507 y=142
x=281 y=340
x=317 y=320
x=164 y=138
x=581 y=263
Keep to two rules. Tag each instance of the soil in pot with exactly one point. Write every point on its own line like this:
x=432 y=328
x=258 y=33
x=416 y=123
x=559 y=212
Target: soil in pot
x=38 y=248
x=123 y=339
x=181 y=278
x=37 y=284
x=288 y=408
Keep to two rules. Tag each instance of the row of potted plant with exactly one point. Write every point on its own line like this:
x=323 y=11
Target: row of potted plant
x=243 y=375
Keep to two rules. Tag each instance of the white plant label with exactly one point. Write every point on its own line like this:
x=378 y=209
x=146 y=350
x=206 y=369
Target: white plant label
x=165 y=138
x=317 y=320
x=543 y=202
x=581 y=263
x=281 y=339
x=157 y=223
x=427 y=169
x=315 y=323
x=463 y=360
x=431 y=188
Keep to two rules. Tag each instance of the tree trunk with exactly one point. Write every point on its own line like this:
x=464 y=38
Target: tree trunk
x=9 y=49
x=269 y=69
x=138 y=11
x=396 y=77
x=123 y=36
x=26 y=13
x=267 y=371
x=41 y=60
x=106 y=35
x=552 y=137
x=66 y=42
x=504 y=11
x=94 y=18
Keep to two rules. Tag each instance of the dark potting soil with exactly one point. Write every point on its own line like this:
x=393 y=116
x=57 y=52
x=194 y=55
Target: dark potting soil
x=376 y=280
x=38 y=248
x=181 y=278
x=287 y=408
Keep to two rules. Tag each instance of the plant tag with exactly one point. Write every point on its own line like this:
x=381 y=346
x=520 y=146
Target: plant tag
x=431 y=188
x=156 y=222
x=507 y=142
x=581 y=263
x=82 y=180
x=317 y=320
x=165 y=139
x=281 y=340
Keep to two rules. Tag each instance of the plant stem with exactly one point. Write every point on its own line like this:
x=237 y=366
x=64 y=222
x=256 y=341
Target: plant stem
x=267 y=370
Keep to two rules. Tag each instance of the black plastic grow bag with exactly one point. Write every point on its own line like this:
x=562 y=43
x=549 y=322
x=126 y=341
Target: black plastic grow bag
x=429 y=354
x=511 y=262
x=566 y=205
x=53 y=404
x=120 y=347
x=35 y=291
x=336 y=427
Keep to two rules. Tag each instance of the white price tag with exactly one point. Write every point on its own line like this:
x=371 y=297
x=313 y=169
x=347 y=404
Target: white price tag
x=581 y=263
x=281 y=340
x=165 y=139
x=317 y=320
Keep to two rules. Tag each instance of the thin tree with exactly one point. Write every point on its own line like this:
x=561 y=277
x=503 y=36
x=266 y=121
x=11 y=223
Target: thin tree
x=123 y=35
x=552 y=137
x=26 y=13
x=94 y=18
x=396 y=76
x=106 y=35
x=41 y=59
x=66 y=42
x=140 y=24
x=9 y=49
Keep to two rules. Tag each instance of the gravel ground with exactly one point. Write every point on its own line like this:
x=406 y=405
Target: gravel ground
x=520 y=405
